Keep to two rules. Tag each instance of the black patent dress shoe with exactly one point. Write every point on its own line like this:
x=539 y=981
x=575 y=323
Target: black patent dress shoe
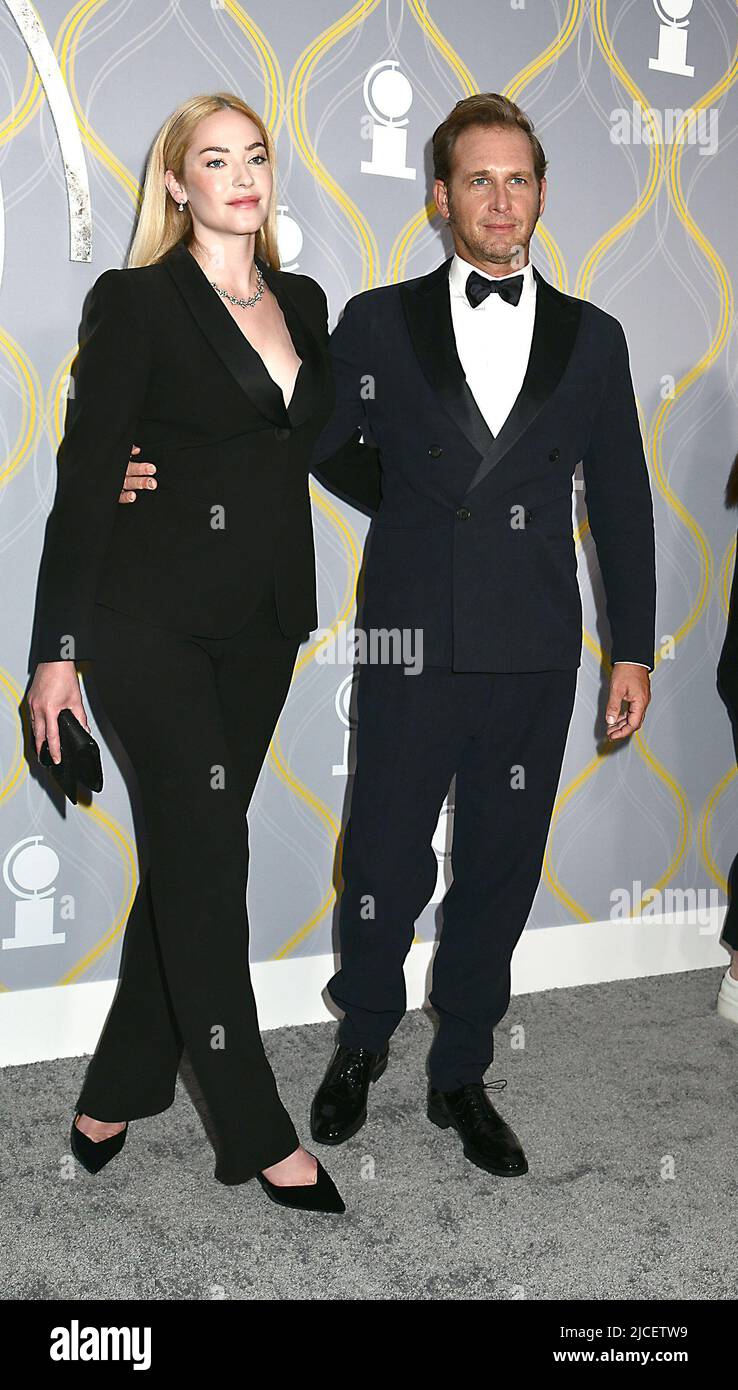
x=488 y=1141
x=91 y=1153
x=339 y=1107
x=322 y=1195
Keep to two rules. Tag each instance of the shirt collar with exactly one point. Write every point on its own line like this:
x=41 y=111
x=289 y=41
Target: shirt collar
x=460 y=269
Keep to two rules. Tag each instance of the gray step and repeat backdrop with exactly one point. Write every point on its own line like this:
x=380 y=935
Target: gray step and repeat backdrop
x=636 y=106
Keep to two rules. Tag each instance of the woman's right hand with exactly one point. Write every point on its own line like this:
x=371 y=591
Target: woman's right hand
x=55 y=686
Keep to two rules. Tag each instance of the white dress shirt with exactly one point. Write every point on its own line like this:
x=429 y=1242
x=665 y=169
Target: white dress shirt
x=493 y=343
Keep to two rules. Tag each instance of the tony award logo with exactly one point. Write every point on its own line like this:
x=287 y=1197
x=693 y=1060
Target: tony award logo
x=343 y=710
x=672 y=54
x=387 y=96
x=289 y=239
x=29 y=870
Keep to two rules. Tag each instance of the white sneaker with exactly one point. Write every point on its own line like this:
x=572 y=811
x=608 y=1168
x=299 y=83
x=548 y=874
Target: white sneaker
x=727 y=1000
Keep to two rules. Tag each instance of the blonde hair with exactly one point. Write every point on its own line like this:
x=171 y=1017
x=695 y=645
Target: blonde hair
x=160 y=224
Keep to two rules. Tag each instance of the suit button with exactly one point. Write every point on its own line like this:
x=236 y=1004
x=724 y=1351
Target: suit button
x=435 y=451
x=282 y=433
x=463 y=513
x=528 y=514
x=554 y=454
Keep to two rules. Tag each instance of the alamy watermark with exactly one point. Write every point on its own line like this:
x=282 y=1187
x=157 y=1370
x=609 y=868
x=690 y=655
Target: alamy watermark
x=380 y=646
x=674 y=125
x=690 y=906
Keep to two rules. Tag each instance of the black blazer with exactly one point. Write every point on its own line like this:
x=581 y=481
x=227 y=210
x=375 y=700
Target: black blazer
x=163 y=364
x=444 y=555
x=727 y=667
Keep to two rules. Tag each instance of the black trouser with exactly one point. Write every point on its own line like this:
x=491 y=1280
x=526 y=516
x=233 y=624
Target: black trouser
x=727 y=685
x=195 y=717
x=414 y=733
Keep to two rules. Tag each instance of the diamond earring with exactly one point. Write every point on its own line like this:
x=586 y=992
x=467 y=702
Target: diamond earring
x=181 y=207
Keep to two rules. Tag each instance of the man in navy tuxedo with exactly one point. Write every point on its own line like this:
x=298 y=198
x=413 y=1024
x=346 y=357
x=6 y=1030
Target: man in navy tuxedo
x=472 y=392
x=482 y=387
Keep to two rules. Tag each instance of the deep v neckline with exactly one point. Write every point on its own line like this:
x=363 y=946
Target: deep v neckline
x=289 y=322
x=313 y=383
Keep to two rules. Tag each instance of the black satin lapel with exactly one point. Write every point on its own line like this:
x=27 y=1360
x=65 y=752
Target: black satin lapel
x=427 y=310
x=224 y=335
x=554 y=332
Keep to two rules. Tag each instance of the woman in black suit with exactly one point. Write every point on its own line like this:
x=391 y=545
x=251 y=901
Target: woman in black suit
x=218 y=363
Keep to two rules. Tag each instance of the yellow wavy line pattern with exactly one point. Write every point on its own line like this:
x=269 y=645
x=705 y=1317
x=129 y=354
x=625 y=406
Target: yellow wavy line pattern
x=567 y=33
x=29 y=391
x=29 y=105
x=65 y=49
x=408 y=235
x=714 y=348
x=333 y=829
x=18 y=767
x=705 y=826
x=271 y=71
x=398 y=258
x=654 y=442
x=290 y=104
x=403 y=243
x=67 y=42
x=298 y=126
x=420 y=221
x=26 y=107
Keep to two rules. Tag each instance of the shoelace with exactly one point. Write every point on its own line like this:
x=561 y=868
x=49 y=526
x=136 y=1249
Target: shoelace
x=475 y=1099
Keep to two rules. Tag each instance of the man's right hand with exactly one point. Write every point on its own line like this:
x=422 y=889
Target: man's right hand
x=138 y=475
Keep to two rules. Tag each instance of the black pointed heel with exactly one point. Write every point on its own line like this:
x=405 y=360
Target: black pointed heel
x=91 y=1154
x=322 y=1195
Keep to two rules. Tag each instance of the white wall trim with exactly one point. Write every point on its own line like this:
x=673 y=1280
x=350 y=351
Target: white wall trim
x=38 y=1025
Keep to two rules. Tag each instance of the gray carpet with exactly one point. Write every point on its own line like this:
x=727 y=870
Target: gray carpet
x=625 y=1098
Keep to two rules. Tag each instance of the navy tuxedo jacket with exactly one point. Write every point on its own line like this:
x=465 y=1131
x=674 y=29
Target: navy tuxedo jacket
x=472 y=540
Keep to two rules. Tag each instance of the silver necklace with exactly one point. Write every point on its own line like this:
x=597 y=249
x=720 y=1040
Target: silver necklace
x=244 y=303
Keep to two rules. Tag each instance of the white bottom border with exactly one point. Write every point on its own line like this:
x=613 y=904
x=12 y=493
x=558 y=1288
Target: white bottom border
x=39 y=1025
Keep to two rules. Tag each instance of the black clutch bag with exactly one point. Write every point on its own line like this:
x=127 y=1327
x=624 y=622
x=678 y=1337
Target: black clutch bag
x=80 y=757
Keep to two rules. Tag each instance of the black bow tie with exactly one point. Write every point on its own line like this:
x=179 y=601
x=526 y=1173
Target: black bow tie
x=479 y=286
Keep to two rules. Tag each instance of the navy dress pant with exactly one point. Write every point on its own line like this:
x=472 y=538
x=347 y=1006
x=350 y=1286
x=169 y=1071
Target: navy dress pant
x=503 y=736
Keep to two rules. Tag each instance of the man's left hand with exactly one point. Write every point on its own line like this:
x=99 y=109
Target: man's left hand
x=630 y=684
